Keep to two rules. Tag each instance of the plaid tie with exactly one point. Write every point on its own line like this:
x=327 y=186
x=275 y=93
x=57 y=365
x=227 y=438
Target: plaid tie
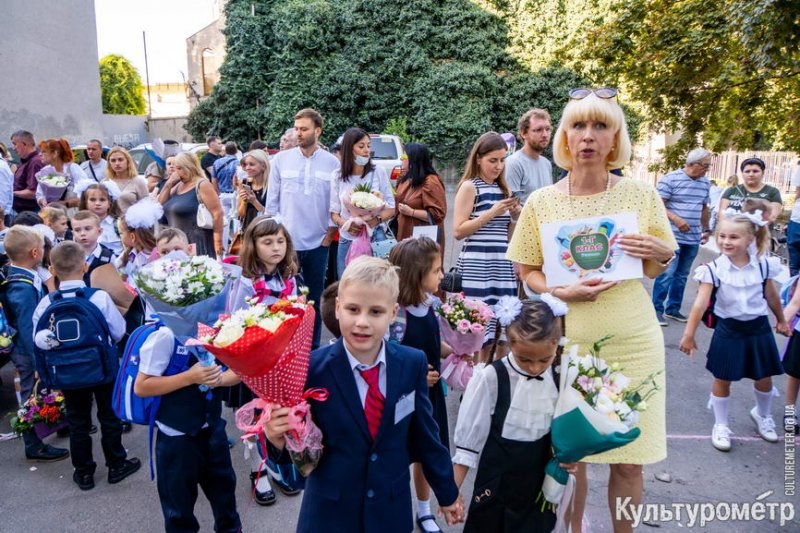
x=373 y=406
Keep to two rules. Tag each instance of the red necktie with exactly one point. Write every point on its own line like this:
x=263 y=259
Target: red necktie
x=373 y=405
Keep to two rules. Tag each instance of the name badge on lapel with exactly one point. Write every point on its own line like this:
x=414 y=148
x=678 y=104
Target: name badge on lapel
x=404 y=407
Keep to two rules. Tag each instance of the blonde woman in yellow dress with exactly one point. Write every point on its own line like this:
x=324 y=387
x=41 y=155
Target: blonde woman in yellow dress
x=591 y=140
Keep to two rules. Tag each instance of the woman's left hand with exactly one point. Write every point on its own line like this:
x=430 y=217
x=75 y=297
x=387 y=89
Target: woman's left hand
x=647 y=247
x=515 y=210
x=405 y=210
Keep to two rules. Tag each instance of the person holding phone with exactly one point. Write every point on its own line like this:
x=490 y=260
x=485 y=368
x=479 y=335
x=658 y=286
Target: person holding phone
x=253 y=189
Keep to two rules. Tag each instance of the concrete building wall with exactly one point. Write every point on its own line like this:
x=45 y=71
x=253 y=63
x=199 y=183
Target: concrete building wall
x=50 y=83
x=169 y=128
x=205 y=52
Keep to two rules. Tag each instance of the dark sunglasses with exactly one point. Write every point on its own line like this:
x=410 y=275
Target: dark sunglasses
x=603 y=92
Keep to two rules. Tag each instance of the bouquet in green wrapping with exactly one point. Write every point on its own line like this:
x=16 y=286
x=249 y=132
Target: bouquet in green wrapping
x=596 y=411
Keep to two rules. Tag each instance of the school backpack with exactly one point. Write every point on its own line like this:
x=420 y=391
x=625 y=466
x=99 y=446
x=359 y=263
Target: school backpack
x=80 y=351
x=709 y=319
x=787 y=290
x=127 y=405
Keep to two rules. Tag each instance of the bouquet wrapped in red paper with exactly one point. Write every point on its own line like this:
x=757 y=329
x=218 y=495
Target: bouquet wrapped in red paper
x=268 y=347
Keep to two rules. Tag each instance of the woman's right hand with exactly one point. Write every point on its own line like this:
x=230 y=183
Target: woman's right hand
x=355 y=229
x=585 y=291
x=502 y=206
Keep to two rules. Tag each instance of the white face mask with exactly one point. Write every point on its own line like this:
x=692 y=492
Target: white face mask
x=361 y=160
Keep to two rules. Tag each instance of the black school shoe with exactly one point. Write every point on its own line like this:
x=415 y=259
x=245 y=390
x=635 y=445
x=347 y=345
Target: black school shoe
x=421 y=519
x=84 y=480
x=284 y=488
x=47 y=454
x=127 y=427
x=261 y=498
x=115 y=475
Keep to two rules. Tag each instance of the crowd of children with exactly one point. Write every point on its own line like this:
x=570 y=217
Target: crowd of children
x=387 y=406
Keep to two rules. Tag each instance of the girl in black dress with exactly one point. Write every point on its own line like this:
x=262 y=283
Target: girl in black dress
x=420 y=270
x=503 y=426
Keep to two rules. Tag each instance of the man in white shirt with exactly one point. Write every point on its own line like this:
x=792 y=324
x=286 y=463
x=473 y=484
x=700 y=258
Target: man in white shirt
x=95 y=166
x=527 y=169
x=299 y=191
x=6 y=191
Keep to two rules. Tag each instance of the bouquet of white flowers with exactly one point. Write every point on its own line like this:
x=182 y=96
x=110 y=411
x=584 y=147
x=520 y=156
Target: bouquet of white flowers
x=596 y=411
x=182 y=282
x=363 y=202
x=52 y=183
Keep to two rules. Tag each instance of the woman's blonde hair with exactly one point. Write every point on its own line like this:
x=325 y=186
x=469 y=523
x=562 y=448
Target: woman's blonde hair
x=189 y=162
x=261 y=157
x=488 y=142
x=599 y=109
x=131 y=165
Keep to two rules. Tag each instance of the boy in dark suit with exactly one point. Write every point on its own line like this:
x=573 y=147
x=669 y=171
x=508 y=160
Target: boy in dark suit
x=377 y=420
x=19 y=293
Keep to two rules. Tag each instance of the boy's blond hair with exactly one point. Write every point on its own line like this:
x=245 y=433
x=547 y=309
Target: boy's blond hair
x=20 y=240
x=371 y=271
x=67 y=258
x=167 y=234
x=85 y=214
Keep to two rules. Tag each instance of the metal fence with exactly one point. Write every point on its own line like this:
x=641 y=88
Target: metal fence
x=778 y=173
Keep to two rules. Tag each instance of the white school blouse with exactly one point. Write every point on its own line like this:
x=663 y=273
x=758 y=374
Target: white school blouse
x=740 y=292
x=533 y=403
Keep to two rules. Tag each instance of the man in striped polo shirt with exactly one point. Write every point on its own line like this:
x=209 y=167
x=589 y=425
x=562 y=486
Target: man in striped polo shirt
x=685 y=195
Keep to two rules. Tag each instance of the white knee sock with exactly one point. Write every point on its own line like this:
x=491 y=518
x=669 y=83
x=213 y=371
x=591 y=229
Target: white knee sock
x=763 y=402
x=255 y=466
x=720 y=406
x=424 y=509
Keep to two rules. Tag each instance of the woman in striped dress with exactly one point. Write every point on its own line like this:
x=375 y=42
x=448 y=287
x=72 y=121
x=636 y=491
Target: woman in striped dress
x=484 y=215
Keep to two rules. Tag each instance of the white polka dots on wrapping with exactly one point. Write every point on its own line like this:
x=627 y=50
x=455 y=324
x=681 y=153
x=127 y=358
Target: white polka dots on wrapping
x=285 y=382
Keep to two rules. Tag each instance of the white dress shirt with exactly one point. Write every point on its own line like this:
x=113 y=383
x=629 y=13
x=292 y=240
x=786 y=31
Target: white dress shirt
x=109 y=236
x=530 y=414
x=116 y=323
x=299 y=190
x=740 y=293
x=6 y=187
x=154 y=357
x=357 y=367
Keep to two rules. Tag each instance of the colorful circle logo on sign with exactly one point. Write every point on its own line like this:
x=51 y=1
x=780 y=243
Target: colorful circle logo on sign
x=589 y=251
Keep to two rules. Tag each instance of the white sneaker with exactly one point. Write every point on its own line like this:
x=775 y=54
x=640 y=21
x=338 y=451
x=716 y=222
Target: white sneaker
x=765 y=425
x=721 y=437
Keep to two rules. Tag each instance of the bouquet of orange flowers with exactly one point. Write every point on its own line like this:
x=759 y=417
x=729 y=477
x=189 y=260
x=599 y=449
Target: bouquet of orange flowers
x=43 y=413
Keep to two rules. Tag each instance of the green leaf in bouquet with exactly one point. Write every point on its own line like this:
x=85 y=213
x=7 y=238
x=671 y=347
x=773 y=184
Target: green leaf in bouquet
x=363 y=187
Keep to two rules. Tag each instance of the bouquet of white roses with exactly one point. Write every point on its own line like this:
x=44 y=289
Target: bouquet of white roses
x=363 y=202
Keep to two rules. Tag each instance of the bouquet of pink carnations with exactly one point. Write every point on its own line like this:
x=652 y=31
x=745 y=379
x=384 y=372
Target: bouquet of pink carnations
x=462 y=323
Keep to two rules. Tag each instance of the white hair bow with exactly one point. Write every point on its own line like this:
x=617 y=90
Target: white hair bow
x=557 y=306
x=756 y=217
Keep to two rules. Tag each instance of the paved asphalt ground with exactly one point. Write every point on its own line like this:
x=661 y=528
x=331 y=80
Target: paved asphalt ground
x=43 y=497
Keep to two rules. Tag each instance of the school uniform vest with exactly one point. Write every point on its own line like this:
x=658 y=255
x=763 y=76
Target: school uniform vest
x=106 y=256
x=188 y=409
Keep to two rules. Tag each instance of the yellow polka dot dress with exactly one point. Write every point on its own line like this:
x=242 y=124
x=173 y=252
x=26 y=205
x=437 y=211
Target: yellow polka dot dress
x=624 y=311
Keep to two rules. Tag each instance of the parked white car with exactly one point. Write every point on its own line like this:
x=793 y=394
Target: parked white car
x=143 y=159
x=387 y=151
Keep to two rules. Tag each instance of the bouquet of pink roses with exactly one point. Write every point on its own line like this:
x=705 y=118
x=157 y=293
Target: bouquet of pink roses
x=462 y=323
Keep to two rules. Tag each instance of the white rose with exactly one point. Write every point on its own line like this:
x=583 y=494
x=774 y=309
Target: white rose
x=603 y=404
x=228 y=334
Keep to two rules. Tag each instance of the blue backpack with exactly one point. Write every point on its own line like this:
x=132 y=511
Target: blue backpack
x=127 y=405
x=83 y=353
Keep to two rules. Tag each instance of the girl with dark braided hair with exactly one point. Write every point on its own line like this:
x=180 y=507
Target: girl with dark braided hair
x=503 y=425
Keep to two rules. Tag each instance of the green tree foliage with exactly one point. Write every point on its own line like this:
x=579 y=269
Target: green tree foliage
x=121 y=86
x=725 y=73
x=439 y=70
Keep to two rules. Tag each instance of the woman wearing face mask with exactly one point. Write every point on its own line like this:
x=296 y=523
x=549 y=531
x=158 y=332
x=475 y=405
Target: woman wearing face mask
x=357 y=169
x=753 y=187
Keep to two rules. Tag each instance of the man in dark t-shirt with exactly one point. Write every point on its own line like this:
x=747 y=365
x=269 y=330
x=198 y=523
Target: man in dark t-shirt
x=215 y=151
x=25 y=181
